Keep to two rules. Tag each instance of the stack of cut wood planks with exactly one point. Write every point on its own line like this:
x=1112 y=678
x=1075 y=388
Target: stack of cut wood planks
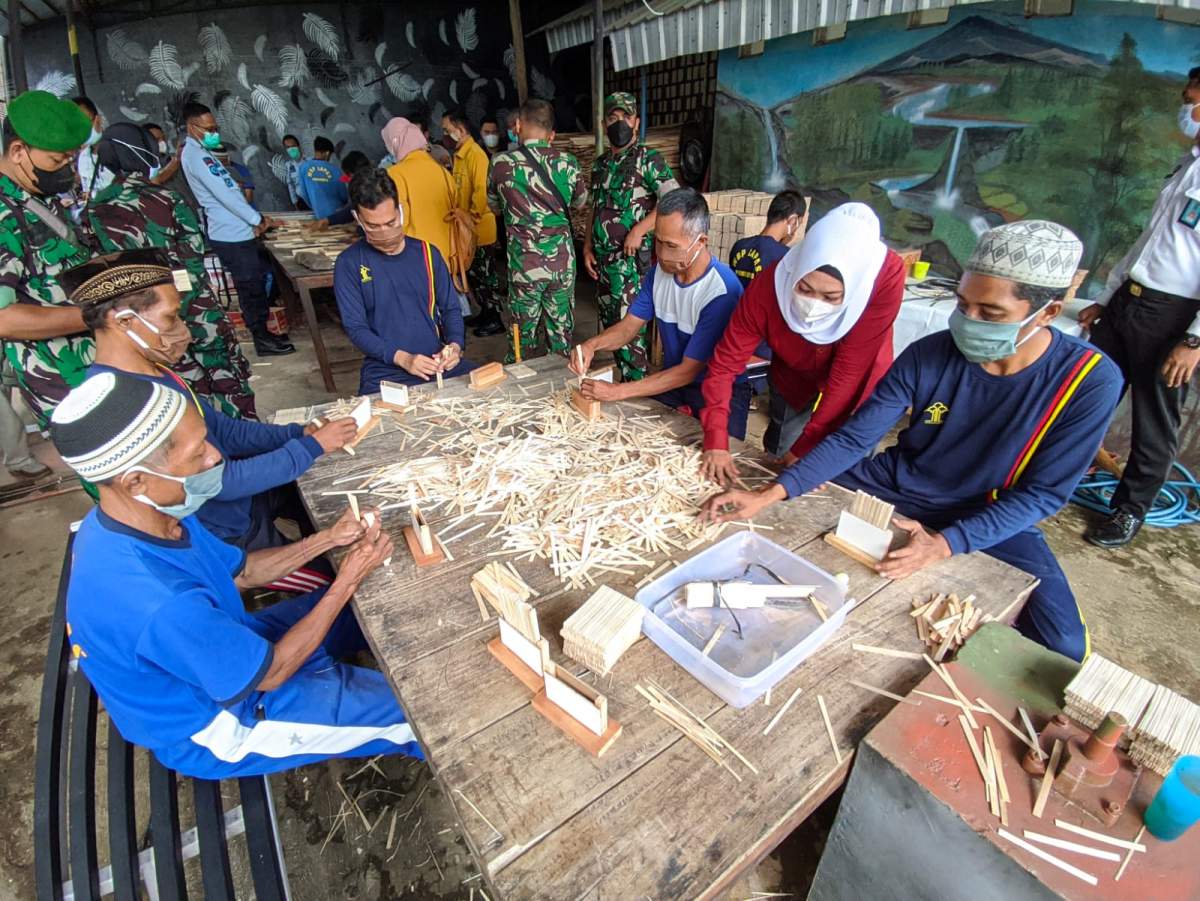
x=603 y=629
x=944 y=622
x=738 y=213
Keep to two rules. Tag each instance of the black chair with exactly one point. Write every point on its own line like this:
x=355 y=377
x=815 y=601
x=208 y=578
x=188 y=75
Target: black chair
x=66 y=809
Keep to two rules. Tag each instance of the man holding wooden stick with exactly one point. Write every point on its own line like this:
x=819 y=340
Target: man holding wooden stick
x=1007 y=414
x=691 y=296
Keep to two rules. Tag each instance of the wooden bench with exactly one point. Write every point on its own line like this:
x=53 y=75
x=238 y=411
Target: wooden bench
x=67 y=810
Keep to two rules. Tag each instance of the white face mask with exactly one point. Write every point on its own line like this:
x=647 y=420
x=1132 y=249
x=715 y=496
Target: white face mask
x=162 y=147
x=811 y=309
x=1189 y=126
x=491 y=140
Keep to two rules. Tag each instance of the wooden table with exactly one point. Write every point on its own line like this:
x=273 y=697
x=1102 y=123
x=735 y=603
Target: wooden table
x=296 y=283
x=653 y=818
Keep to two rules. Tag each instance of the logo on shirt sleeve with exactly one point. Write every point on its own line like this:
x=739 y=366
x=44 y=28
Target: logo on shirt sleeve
x=364 y=274
x=936 y=412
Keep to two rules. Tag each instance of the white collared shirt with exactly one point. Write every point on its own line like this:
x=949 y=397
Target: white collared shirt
x=1166 y=256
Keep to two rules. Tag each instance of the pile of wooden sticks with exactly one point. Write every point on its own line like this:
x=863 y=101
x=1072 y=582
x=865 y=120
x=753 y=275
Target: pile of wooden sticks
x=693 y=727
x=944 y=622
x=603 y=629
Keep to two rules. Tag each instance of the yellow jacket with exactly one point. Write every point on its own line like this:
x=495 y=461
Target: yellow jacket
x=470 y=179
x=426 y=194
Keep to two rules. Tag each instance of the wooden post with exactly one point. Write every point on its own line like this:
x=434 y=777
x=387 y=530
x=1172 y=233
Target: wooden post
x=73 y=45
x=16 y=48
x=518 y=36
x=598 y=72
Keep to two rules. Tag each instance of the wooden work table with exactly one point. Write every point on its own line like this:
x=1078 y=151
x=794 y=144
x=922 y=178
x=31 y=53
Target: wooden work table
x=653 y=818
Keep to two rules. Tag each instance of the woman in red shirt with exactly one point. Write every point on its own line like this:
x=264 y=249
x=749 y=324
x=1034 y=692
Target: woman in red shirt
x=826 y=311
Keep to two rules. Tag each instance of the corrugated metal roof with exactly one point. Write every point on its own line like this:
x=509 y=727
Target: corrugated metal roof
x=639 y=33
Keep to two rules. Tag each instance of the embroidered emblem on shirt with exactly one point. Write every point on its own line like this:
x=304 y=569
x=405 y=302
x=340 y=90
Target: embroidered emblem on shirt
x=937 y=411
x=364 y=273
x=1191 y=214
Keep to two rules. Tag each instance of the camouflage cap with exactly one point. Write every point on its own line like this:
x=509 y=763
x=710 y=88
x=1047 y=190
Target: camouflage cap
x=44 y=121
x=622 y=100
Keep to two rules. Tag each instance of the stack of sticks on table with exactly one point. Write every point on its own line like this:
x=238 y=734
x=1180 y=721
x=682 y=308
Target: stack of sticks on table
x=693 y=727
x=1169 y=729
x=603 y=629
x=944 y=622
x=593 y=498
x=504 y=589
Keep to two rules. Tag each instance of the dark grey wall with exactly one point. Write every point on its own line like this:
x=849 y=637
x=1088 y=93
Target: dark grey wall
x=270 y=70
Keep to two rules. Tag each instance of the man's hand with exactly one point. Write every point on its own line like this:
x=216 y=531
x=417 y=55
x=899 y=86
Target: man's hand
x=449 y=357
x=923 y=549
x=420 y=365
x=580 y=359
x=348 y=530
x=1179 y=366
x=593 y=389
x=633 y=239
x=333 y=435
x=366 y=555
x=737 y=504
x=1089 y=316
x=718 y=466
x=589 y=260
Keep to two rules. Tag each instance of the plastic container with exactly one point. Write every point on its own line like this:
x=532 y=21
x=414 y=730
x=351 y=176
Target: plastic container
x=1176 y=807
x=773 y=641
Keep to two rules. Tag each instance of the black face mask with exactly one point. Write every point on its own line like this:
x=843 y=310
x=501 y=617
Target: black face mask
x=48 y=182
x=619 y=133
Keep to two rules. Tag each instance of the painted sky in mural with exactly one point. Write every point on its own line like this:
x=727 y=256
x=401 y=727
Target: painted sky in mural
x=947 y=131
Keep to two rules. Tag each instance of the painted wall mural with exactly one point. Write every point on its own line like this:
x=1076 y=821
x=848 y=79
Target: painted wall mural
x=340 y=71
x=947 y=131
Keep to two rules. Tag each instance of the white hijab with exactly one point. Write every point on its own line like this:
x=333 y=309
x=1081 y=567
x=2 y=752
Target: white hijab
x=847 y=238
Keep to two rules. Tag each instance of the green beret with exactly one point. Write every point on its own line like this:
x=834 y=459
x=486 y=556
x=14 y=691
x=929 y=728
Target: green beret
x=621 y=100
x=43 y=121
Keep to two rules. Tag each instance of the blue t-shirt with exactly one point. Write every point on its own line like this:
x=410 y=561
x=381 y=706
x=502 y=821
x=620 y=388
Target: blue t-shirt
x=160 y=629
x=752 y=256
x=691 y=318
x=319 y=184
x=386 y=305
x=984 y=456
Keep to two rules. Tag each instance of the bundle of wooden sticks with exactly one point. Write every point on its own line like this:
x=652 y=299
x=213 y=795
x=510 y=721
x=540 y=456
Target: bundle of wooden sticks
x=944 y=622
x=603 y=629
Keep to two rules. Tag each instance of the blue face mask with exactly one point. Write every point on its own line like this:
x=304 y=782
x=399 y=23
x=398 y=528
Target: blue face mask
x=986 y=342
x=197 y=489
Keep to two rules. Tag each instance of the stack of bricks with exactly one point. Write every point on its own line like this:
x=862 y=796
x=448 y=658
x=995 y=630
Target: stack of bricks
x=737 y=214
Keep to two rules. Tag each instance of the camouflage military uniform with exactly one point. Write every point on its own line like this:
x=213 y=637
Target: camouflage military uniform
x=132 y=213
x=489 y=276
x=625 y=188
x=541 y=252
x=31 y=257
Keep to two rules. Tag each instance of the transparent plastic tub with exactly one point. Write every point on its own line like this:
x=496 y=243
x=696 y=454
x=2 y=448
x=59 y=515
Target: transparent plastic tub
x=773 y=641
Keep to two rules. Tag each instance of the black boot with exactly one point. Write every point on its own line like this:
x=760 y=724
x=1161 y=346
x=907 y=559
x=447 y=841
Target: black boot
x=268 y=345
x=489 y=325
x=1119 y=529
x=474 y=319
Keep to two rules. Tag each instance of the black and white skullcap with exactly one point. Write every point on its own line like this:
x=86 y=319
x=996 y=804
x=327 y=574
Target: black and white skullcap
x=113 y=421
x=1032 y=251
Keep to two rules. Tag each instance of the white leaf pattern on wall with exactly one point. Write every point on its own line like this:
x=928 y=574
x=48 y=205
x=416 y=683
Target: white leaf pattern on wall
x=127 y=54
x=540 y=85
x=361 y=92
x=454 y=91
x=147 y=87
x=233 y=116
x=344 y=127
x=476 y=107
x=260 y=45
x=427 y=87
x=279 y=167
x=324 y=98
x=132 y=115
x=271 y=107
x=510 y=63
x=442 y=32
x=404 y=86
x=469 y=72
x=379 y=52
x=323 y=34
x=164 y=66
x=478 y=83
x=464 y=29
x=499 y=87
x=243 y=76
x=189 y=71
x=249 y=153
x=408 y=33
x=293 y=67
x=215 y=47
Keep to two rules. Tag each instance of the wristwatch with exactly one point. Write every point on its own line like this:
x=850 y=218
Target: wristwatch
x=1191 y=342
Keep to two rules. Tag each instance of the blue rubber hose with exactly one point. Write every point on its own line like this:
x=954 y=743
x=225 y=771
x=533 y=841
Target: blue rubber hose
x=1177 y=504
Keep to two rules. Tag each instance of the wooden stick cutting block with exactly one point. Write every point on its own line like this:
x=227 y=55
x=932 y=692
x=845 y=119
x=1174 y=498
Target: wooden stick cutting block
x=594 y=744
x=418 y=554
x=514 y=665
x=851 y=551
x=589 y=409
x=487 y=375
x=364 y=431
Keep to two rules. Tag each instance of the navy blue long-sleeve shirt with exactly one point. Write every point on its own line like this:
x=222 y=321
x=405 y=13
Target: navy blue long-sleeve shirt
x=387 y=305
x=984 y=457
x=258 y=457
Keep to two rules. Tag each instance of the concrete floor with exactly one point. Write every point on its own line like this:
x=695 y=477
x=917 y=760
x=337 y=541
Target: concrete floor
x=1133 y=600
